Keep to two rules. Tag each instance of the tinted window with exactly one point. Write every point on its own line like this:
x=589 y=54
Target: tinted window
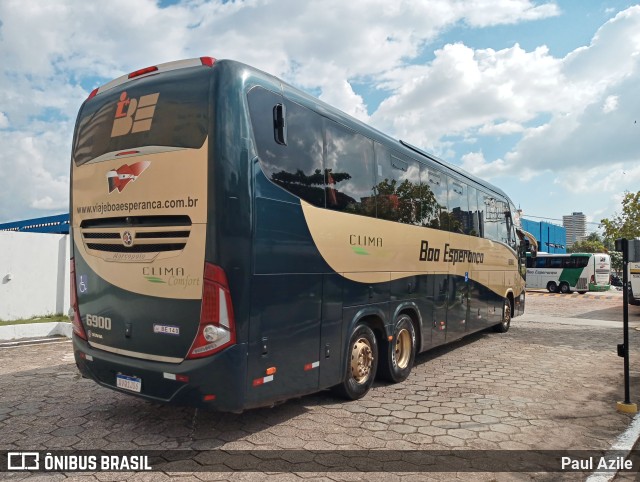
x=473 y=228
x=398 y=188
x=541 y=262
x=502 y=208
x=297 y=167
x=569 y=263
x=169 y=109
x=460 y=219
x=434 y=212
x=555 y=262
x=349 y=171
x=582 y=261
x=489 y=215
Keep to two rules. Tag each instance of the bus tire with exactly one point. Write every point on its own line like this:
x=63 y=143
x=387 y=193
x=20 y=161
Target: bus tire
x=552 y=287
x=564 y=288
x=397 y=360
x=582 y=292
x=504 y=325
x=360 y=364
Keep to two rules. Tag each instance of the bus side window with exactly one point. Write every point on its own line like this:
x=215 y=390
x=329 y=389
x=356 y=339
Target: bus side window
x=473 y=227
x=541 y=262
x=349 y=174
x=297 y=166
x=555 y=262
x=434 y=201
x=490 y=221
x=569 y=262
x=582 y=261
x=458 y=207
x=398 y=188
x=501 y=221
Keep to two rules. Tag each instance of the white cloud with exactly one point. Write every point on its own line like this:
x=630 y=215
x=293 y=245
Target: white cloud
x=610 y=104
x=501 y=128
x=475 y=163
x=54 y=53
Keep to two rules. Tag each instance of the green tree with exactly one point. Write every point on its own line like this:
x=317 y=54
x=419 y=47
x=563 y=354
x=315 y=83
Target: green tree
x=616 y=261
x=627 y=224
x=587 y=246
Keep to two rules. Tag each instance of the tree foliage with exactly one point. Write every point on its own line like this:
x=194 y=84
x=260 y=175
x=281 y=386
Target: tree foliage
x=626 y=224
x=587 y=246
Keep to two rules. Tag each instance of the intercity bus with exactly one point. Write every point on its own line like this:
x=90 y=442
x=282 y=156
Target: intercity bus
x=237 y=242
x=565 y=273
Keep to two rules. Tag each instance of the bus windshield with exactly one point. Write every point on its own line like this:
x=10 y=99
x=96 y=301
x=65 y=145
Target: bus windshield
x=175 y=103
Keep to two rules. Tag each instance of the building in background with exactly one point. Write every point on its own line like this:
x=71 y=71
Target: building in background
x=58 y=224
x=576 y=226
x=551 y=237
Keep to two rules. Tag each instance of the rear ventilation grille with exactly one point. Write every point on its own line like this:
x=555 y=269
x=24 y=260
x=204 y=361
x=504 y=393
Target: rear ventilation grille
x=136 y=234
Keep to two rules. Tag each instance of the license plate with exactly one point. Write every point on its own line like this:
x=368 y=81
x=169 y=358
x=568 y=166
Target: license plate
x=129 y=383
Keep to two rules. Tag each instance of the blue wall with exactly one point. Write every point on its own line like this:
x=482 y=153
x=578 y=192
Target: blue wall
x=58 y=224
x=551 y=237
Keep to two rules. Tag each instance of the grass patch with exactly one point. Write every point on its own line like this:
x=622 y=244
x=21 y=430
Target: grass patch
x=36 y=319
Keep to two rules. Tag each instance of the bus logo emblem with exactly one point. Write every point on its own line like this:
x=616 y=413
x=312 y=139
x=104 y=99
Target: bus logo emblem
x=127 y=239
x=119 y=178
x=134 y=115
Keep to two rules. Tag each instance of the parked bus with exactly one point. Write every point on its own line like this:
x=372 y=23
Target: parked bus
x=237 y=242
x=634 y=283
x=565 y=273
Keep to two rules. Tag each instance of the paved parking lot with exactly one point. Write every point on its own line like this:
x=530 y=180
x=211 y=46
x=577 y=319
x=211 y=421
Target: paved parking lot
x=545 y=385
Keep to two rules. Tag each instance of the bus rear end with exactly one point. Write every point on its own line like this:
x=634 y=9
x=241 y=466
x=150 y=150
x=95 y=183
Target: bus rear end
x=151 y=316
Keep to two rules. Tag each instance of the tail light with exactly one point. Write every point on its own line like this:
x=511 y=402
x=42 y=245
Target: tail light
x=76 y=322
x=217 y=327
x=593 y=279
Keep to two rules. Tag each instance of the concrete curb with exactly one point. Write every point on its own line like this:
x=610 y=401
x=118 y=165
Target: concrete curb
x=34 y=330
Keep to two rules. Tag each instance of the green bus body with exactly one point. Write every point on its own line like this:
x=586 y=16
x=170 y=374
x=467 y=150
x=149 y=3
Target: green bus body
x=305 y=223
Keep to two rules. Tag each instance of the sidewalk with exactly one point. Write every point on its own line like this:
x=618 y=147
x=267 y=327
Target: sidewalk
x=35 y=330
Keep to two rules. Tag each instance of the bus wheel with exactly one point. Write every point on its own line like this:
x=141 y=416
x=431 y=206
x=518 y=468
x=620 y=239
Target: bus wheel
x=360 y=365
x=397 y=361
x=564 y=288
x=503 y=326
x=552 y=287
x=582 y=292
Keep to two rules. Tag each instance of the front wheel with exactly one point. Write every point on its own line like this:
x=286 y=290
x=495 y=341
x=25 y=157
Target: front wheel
x=360 y=364
x=504 y=325
x=397 y=361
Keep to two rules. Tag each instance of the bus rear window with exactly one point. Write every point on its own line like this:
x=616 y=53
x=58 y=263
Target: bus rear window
x=169 y=109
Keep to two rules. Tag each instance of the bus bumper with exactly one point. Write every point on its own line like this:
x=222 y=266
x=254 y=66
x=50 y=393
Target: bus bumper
x=216 y=382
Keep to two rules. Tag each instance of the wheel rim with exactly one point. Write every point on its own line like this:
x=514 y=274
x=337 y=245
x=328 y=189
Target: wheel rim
x=403 y=348
x=507 y=314
x=361 y=361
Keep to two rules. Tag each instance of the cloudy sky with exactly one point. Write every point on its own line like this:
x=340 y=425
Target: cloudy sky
x=542 y=98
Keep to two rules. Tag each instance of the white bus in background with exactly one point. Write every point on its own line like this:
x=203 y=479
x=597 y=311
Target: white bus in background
x=565 y=273
x=634 y=283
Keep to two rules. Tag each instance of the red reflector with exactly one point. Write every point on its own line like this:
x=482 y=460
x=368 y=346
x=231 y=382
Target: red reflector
x=127 y=153
x=209 y=398
x=271 y=370
x=208 y=61
x=258 y=381
x=93 y=93
x=308 y=367
x=182 y=378
x=140 y=72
